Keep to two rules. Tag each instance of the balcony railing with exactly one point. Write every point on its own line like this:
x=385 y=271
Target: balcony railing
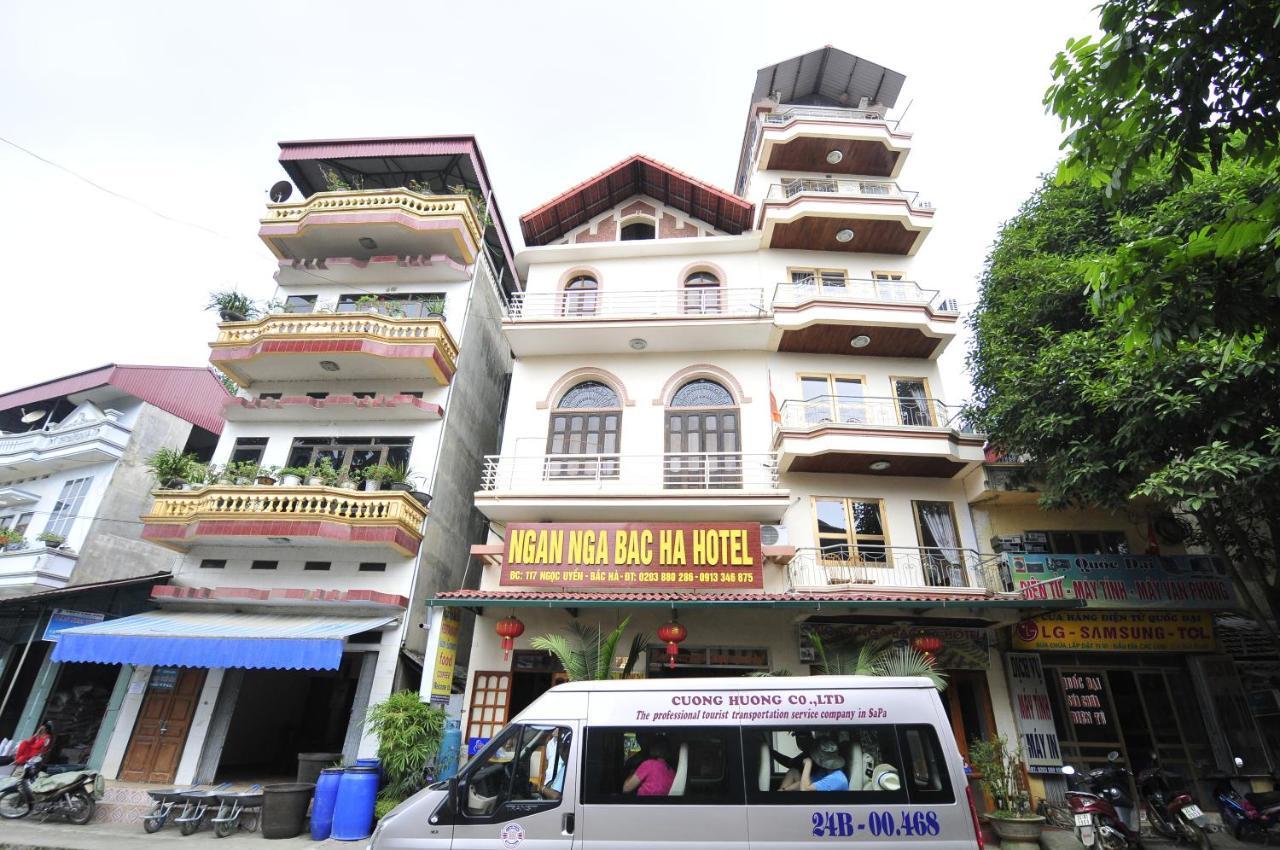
x=373 y=325
x=649 y=304
x=851 y=187
x=555 y=473
x=825 y=113
x=59 y=442
x=893 y=412
x=838 y=568
x=373 y=200
x=300 y=502
x=861 y=290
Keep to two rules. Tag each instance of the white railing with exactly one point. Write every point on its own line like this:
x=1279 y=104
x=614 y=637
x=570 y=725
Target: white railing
x=895 y=412
x=839 y=568
x=553 y=474
x=824 y=113
x=859 y=289
x=40 y=442
x=847 y=187
x=699 y=303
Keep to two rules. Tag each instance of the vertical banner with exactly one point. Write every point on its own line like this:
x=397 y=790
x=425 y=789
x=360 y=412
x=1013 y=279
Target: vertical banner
x=441 y=654
x=1031 y=710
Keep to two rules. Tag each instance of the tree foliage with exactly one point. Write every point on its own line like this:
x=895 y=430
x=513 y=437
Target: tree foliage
x=587 y=653
x=1193 y=429
x=409 y=733
x=879 y=658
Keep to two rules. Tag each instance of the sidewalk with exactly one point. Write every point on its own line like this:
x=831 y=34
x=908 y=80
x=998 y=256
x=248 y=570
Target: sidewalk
x=28 y=835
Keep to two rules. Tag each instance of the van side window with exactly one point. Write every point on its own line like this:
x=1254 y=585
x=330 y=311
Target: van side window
x=527 y=765
x=847 y=764
x=664 y=766
x=925 y=773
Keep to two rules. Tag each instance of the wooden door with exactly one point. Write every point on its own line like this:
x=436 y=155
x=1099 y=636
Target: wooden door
x=160 y=732
x=490 y=701
x=703 y=452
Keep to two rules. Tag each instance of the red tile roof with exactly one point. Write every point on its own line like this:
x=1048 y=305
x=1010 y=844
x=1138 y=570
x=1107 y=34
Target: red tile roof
x=678 y=596
x=636 y=175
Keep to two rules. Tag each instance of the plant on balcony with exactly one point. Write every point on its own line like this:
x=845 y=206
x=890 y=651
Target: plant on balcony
x=419 y=186
x=232 y=305
x=1000 y=773
x=879 y=658
x=266 y=475
x=587 y=652
x=349 y=479
x=292 y=476
x=323 y=472
x=335 y=182
x=434 y=306
x=170 y=467
x=240 y=472
x=394 y=474
x=368 y=304
x=50 y=539
x=477 y=202
x=11 y=539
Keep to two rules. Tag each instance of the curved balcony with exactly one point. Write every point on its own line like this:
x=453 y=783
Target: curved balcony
x=335 y=408
x=369 y=223
x=34 y=569
x=608 y=320
x=876 y=216
x=899 y=317
x=896 y=567
x=671 y=486
x=57 y=448
x=266 y=515
x=297 y=347
x=848 y=434
x=802 y=138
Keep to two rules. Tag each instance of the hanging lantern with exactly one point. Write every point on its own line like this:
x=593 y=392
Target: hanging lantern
x=509 y=628
x=927 y=645
x=672 y=634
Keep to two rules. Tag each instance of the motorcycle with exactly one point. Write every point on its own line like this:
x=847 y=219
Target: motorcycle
x=1249 y=816
x=1172 y=813
x=72 y=794
x=1104 y=812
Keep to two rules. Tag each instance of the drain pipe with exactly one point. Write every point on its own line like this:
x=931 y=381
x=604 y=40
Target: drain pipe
x=13 y=681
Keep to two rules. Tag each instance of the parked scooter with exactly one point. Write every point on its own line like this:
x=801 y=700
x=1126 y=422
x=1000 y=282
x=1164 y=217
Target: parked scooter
x=1172 y=812
x=72 y=794
x=1103 y=812
x=1249 y=816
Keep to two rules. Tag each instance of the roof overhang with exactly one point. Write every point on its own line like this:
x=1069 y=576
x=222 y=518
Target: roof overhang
x=811 y=601
x=827 y=76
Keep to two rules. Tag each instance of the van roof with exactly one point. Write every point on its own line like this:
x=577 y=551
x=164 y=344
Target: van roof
x=750 y=683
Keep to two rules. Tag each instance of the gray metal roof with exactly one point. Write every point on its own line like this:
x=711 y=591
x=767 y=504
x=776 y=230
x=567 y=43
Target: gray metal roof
x=828 y=75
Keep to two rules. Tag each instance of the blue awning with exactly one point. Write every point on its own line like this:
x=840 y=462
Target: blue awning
x=206 y=639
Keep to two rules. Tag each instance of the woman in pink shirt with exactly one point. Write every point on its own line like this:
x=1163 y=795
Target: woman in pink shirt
x=654 y=775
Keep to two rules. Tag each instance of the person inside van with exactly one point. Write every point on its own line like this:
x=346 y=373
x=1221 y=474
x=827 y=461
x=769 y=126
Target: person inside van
x=822 y=770
x=804 y=740
x=654 y=776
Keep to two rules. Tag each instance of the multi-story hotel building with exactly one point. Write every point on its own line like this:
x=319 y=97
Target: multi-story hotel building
x=289 y=611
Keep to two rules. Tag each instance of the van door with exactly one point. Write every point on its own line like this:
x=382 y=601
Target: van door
x=662 y=786
x=520 y=791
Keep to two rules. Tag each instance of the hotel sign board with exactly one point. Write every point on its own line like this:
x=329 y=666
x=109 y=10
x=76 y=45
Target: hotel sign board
x=637 y=556
x=1178 y=582
x=1122 y=631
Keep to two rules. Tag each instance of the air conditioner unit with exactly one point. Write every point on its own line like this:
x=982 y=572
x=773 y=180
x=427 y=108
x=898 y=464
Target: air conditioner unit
x=774 y=535
x=1006 y=543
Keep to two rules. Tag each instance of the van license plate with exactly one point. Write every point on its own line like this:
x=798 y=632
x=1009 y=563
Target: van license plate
x=1084 y=820
x=1192 y=812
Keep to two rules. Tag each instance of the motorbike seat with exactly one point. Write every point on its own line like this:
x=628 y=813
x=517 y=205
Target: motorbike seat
x=1264 y=799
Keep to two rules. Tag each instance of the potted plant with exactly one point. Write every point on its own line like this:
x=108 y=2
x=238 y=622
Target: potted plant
x=1000 y=773
x=266 y=475
x=48 y=538
x=292 y=476
x=170 y=467
x=197 y=474
x=373 y=476
x=232 y=305
x=348 y=479
x=323 y=473
x=368 y=304
x=398 y=478
x=241 y=472
x=434 y=307
x=393 y=474
x=11 y=539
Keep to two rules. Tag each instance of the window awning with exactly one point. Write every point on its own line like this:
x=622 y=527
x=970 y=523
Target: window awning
x=205 y=639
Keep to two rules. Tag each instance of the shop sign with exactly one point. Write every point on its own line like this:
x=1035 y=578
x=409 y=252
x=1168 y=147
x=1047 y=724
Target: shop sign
x=64 y=619
x=1033 y=713
x=1129 y=631
x=163 y=679
x=446 y=655
x=1125 y=581
x=637 y=556
x=962 y=649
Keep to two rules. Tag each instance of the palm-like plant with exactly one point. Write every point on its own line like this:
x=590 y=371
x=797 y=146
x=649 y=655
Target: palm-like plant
x=409 y=733
x=587 y=653
x=879 y=658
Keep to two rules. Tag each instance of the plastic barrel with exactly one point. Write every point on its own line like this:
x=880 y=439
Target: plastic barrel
x=284 y=809
x=326 y=798
x=353 y=811
x=310 y=765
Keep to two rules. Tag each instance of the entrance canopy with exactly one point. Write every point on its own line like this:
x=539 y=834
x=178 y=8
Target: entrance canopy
x=204 y=639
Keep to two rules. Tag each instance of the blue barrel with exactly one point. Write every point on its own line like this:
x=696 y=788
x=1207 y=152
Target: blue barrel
x=353 y=811
x=322 y=806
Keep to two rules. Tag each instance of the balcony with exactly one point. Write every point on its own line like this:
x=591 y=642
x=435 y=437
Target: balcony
x=898 y=317
x=315 y=346
x=58 y=448
x=896 y=568
x=849 y=214
x=854 y=435
x=34 y=569
x=672 y=486
x=806 y=138
x=608 y=321
x=335 y=408
x=1000 y=484
x=260 y=516
x=363 y=224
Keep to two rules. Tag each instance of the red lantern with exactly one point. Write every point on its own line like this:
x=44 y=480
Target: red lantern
x=672 y=634
x=928 y=645
x=508 y=628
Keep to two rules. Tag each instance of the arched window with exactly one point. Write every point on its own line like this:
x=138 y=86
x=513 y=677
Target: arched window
x=580 y=296
x=702 y=293
x=704 y=451
x=637 y=230
x=587 y=421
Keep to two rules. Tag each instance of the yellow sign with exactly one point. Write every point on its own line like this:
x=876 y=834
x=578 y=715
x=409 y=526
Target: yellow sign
x=1121 y=631
x=446 y=654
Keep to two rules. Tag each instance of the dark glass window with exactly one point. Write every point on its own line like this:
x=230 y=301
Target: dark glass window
x=213 y=564
x=300 y=304
x=363 y=393
x=638 y=230
x=373 y=567
x=318 y=396
x=707 y=757
x=351 y=453
x=271 y=395
x=316 y=565
x=414 y=393
x=410 y=305
x=264 y=565
x=248 y=449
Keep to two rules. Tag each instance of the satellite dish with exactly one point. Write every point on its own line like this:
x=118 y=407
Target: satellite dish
x=280 y=192
x=33 y=416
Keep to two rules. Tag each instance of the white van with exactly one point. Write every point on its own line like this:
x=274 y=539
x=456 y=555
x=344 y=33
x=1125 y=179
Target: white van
x=707 y=763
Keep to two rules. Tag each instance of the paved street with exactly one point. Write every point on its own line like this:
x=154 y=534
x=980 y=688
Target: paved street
x=24 y=835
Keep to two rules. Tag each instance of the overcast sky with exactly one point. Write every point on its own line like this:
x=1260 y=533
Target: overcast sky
x=181 y=111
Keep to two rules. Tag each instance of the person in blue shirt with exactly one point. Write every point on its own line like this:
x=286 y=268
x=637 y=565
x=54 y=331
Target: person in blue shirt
x=822 y=769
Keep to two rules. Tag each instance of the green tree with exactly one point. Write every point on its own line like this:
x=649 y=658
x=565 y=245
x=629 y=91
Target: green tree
x=878 y=658
x=1194 y=429
x=587 y=652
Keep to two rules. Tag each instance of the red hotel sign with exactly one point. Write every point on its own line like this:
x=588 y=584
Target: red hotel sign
x=641 y=556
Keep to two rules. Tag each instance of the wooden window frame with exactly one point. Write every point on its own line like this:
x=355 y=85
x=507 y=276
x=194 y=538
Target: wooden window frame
x=851 y=535
x=831 y=378
x=816 y=274
x=884 y=274
x=472 y=705
x=955 y=527
x=928 y=397
x=686 y=305
x=565 y=292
